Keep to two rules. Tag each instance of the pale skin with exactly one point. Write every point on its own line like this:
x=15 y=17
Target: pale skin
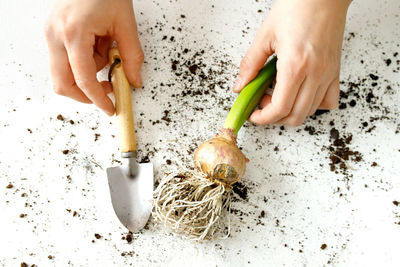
x=306 y=35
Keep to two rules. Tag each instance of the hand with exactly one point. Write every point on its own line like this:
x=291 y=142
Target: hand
x=79 y=35
x=306 y=36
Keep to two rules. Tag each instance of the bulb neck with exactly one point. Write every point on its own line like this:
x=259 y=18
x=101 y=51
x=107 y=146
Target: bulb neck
x=228 y=134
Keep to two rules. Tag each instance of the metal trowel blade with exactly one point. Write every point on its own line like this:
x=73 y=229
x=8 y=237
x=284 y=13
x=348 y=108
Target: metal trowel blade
x=131 y=197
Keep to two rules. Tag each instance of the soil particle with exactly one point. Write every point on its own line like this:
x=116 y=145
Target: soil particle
x=323 y=246
x=165 y=117
x=128 y=238
x=396 y=203
x=310 y=129
x=373 y=77
x=369 y=98
x=65 y=151
x=320 y=112
x=145 y=159
x=173 y=66
x=193 y=68
x=128 y=253
x=334 y=134
x=9 y=186
x=98 y=236
x=240 y=189
x=370 y=129
x=60 y=117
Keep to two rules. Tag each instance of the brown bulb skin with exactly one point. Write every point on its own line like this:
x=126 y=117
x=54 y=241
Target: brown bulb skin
x=220 y=158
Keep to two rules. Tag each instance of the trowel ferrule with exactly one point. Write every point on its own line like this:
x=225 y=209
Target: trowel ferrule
x=133 y=165
x=129 y=154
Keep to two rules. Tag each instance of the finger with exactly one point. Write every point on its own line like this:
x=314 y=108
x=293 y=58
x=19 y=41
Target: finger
x=319 y=96
x=107 y=87
x=265 y=100
x=260 y=50
x=331 y=99
x=76 y=93
x=80 y=53
x=61 y=73
x=100 y=54
x=126 y=35
x=303 y=102
x=290 y=76
x=325 y=83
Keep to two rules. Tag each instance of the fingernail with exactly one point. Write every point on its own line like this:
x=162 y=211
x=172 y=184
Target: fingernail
x=138 y=81
x=109 y=113
x=238 y=85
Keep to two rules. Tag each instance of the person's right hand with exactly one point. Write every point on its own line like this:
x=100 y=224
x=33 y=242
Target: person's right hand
x=79 y=35
x=306 y=36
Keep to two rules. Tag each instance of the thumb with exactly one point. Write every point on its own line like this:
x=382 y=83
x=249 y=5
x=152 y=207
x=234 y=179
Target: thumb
x=127 y=38
x=260 y=50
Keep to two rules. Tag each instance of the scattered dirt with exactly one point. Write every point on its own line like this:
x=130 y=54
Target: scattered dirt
x=262 y=214
x=128 y=237
x=310 y=129
x=127 y=253
x=241 y=190
x=341 y=155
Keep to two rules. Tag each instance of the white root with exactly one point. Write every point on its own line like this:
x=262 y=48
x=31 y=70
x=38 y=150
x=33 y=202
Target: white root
x=189 y=204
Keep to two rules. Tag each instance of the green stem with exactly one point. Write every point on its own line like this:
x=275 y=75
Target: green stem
x=250 y=96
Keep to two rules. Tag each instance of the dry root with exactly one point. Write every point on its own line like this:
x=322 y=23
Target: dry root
x=193 y=206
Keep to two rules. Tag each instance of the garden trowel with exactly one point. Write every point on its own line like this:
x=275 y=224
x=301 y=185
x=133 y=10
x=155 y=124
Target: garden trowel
x=131 y=185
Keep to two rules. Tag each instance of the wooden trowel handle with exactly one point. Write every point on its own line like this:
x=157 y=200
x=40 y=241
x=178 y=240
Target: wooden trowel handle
x=123 y=103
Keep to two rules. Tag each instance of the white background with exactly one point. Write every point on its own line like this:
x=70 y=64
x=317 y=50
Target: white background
x=293 y=186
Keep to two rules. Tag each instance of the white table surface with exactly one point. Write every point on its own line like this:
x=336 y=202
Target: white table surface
x=305 y=204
